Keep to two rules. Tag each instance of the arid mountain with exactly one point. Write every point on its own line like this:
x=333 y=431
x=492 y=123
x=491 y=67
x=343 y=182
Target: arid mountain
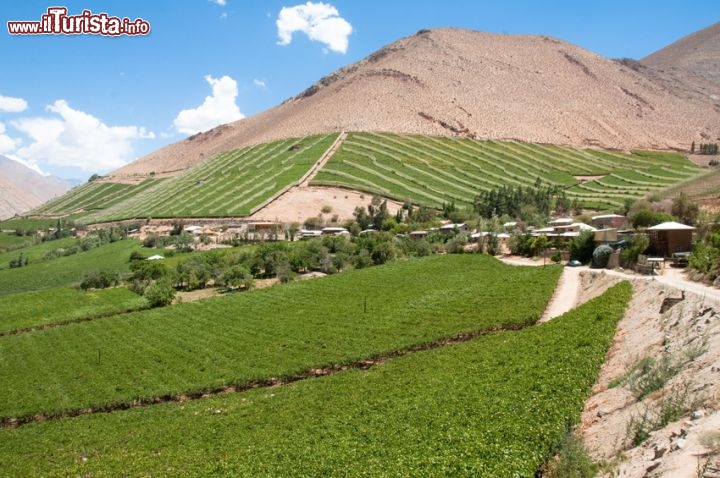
x=459 y=82
x=22 y=189
x=694 y=59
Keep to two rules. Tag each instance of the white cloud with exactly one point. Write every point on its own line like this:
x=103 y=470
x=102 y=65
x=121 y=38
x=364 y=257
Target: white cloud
x=222 y=3
x=319 y=21
x=8 y=104
x=217 y=109
x=73 y=138
x=7 y=144
x=259 y=83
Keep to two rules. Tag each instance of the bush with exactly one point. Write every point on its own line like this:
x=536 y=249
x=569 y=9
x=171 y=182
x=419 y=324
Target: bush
x=99 y=280
x=150 y=241
x=637 y=245
x=556 y=257
x=601 y=255
x=521 y=244
x=136 y=256
x=19 y=261
x=160 y=293
x=648 y=218
x=582 y=247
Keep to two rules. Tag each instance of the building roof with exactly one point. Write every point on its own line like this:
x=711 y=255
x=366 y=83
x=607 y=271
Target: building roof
x=607 y=216
x=156 y=257
x=450 y=227
x=561 y=220
x=671 y=226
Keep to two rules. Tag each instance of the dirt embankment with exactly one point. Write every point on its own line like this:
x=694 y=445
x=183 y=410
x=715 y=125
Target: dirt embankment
x=654 y=408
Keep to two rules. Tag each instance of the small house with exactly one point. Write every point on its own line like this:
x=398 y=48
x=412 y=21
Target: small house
x=448 y=228
x=609 y=221
x=334 y=231
x=308 y=233
x=417 y=235
x=606 y=235
x=561 y=221
x=669 y=238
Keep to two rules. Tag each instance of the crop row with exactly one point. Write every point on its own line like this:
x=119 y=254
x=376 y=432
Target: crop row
x=94 y=195
x=265 y=333
x=61 y=305
x=66 y=271
x=499 y=405
x=433 y=170
x=35 y=252
x=231 y=183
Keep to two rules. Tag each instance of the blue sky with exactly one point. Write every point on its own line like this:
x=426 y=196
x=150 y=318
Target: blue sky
x=73 y=105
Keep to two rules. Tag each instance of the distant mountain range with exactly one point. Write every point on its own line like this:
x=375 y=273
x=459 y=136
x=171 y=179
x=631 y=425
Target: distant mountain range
x=465 y=83
x=22 y=189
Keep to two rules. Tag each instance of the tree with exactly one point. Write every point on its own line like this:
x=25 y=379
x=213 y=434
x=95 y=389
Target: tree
x=238 y=277
x=647 y=218
x=98 y=280
x=685 y=209
x=637 y=245
x=383 y=253
x=583 y=246
x=293 y=229
x=692 y=148
x=160 y=293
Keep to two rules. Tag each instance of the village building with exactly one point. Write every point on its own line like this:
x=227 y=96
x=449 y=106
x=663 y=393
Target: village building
x=670 y=238
x=609 y=221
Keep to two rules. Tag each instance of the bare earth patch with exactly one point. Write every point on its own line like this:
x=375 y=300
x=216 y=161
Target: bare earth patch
x=300 y=203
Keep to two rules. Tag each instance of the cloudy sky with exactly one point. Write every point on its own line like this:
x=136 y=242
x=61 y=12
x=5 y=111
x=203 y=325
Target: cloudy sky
x=74 y=105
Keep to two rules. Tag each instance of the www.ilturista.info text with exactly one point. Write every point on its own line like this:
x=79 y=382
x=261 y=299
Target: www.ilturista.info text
x=57 y=22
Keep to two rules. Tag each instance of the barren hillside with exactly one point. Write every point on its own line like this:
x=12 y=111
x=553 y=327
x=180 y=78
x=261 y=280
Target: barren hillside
x=694 y=59
x=459 y=82
x=22 y=189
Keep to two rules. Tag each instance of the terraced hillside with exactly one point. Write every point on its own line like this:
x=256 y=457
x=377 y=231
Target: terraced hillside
x=429 y=170
x=92 y=196
x=233 y=183
x=436 y=170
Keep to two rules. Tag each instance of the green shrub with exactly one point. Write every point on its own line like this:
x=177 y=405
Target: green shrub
x=583 y=246
x=601 y=255
x=160 y=293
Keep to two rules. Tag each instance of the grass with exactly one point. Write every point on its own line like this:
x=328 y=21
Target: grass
x=671 y=406
x=10 y=240
x=53 y=306
x=31 y=223
x=495 y=406
x=35 y=252
x=67 y=271
x=265 y=333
